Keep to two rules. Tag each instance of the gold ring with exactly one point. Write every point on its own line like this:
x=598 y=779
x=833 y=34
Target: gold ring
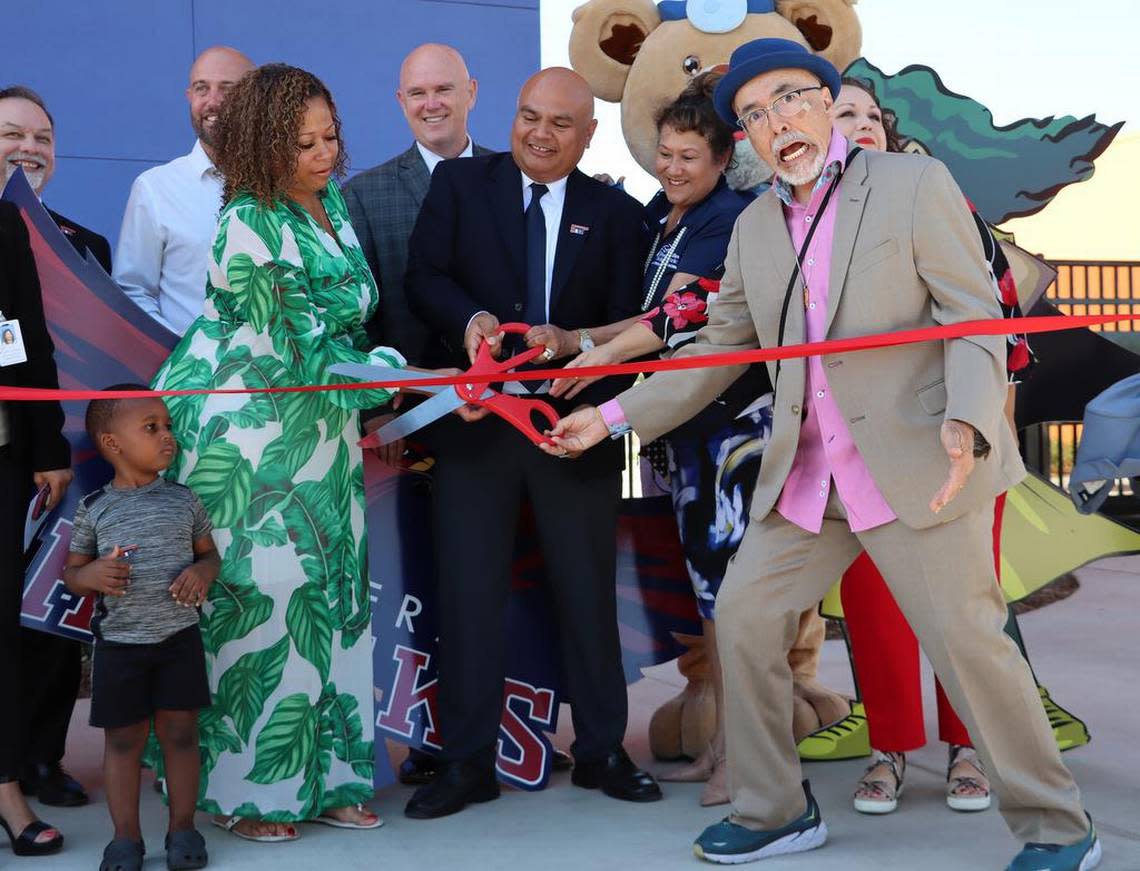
x=548 y=355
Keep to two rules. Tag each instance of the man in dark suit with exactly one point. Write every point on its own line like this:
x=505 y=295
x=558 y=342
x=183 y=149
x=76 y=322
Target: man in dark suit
x=52 y=663
x=525 y=236
x=436 y=94
x=27 y=139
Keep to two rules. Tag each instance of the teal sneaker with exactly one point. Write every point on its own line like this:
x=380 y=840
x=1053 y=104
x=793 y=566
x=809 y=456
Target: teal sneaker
x=1081 y=856
x=728 y=843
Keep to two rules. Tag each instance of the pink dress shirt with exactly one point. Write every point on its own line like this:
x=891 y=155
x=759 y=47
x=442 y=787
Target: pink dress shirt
x=826 y=452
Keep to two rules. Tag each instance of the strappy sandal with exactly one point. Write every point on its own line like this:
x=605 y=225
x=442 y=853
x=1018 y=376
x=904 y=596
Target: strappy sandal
x=877 y=795
x=186 y=850
x=123 y=854
x=25 y=843
x=328 y=820
x=229 y=824
x=967 y=792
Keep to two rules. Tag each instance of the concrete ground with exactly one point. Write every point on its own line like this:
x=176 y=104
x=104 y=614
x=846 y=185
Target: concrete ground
x=1085 y=650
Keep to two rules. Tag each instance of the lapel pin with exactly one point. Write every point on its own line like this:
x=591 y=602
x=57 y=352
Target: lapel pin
x=578 y=230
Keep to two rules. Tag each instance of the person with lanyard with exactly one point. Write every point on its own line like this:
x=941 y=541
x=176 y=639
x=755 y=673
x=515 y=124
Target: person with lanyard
x=713 y=459
x=898 y=451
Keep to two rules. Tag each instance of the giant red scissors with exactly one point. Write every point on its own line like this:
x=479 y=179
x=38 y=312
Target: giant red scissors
x=516 y=410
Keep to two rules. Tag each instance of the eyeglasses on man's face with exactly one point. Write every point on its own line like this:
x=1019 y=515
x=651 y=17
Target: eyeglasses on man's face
x=787 y=105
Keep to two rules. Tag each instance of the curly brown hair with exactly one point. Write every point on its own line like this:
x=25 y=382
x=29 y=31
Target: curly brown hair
x=890 y=119
x=256 y=136
x=693 y=111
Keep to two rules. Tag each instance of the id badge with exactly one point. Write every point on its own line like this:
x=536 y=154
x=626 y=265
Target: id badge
x=11 y=343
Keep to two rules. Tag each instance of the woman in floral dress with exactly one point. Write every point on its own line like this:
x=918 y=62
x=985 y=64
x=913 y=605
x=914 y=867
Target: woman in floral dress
x=286 y=625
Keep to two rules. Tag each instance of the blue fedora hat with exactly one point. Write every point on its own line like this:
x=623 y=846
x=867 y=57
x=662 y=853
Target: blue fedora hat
x=760 y=56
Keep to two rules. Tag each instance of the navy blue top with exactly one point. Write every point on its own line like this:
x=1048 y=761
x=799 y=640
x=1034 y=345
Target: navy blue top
x=697 y=244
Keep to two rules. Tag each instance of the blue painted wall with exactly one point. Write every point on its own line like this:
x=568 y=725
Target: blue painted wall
x=114 y=72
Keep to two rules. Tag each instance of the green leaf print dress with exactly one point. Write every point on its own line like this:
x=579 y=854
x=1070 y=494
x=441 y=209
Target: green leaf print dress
x=286 y=627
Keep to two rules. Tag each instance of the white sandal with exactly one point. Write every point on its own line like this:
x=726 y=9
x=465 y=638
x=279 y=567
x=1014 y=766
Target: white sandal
x=230 y=822
x=326 y=820
x=954 y=785
x=879 y=796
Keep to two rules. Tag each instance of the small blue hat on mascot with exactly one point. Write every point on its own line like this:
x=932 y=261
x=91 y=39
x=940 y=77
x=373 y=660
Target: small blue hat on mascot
x=764 y=55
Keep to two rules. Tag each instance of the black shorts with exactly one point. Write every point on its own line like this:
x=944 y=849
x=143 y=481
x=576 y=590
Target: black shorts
x=129 y=682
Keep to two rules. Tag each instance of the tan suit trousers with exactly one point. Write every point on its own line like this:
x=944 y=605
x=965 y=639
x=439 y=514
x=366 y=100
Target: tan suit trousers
x=943 y=581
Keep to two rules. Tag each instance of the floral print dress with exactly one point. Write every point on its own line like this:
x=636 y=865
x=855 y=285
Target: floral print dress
x=713 y=460
x=286 y=626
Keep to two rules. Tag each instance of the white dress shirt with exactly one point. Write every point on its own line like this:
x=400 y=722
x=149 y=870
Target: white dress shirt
x=432 y=159
x=164 y=245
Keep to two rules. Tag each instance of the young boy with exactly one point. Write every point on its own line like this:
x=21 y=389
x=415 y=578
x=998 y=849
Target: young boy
x=142 y=545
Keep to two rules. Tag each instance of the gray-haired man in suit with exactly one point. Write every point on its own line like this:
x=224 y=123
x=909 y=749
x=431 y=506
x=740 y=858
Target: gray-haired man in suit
x=436 y=94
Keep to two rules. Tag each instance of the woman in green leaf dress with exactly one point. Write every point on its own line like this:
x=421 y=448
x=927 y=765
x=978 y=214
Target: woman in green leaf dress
x=286 y=627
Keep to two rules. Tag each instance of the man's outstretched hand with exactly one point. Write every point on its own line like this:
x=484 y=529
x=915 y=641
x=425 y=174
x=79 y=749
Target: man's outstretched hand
x=577 y=432
x=958 y=441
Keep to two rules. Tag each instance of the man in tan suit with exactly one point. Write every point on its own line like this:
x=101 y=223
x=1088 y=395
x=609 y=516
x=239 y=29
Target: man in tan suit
x=861 y=443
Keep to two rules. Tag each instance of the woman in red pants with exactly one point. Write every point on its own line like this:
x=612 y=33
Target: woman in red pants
x=883 y=647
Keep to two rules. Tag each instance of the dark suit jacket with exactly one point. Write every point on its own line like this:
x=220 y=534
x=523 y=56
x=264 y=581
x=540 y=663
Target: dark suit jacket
x=383 y=203
x=36 y=427
x=468 y=253
x=84 y=240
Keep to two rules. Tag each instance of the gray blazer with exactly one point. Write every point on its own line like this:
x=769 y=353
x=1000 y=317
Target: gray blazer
x=383 y=203
x=906 y=254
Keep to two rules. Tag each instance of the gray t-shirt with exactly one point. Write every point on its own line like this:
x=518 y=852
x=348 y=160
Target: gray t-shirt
x=163 y=519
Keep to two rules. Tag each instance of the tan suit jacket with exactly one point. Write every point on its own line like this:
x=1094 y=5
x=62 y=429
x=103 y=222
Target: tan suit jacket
x=906 y=254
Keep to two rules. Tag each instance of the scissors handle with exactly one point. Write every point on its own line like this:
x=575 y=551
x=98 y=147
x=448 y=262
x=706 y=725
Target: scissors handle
x=485 y=363
x=517 y=411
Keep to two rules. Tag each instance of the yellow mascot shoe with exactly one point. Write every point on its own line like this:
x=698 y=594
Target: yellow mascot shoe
x=1068 y=731
x=846 y=739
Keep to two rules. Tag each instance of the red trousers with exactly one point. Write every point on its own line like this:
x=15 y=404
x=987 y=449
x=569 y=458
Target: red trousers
x=885 y=655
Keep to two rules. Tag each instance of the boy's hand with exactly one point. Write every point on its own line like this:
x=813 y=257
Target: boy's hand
x=190 y=587
x=109 y=575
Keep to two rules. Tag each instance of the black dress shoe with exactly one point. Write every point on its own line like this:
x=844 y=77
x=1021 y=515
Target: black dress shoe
x=617 y=777
x=53 y=786
x=457 y=785
x=418 y=768
x=562 y=761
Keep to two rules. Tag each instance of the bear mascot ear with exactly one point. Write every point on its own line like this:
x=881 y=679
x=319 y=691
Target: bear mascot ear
x=606 y=38
x=830 y=27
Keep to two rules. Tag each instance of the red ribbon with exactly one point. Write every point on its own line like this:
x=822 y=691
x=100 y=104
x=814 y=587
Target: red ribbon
x=992 y=327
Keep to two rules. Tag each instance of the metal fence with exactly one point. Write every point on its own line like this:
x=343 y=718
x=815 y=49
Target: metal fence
x=1083 y=287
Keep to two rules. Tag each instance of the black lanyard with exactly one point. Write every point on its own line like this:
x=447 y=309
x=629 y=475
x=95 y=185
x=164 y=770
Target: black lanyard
x=797 y=270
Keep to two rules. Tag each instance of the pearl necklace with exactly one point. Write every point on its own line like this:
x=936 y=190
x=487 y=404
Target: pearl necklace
x=661 y=267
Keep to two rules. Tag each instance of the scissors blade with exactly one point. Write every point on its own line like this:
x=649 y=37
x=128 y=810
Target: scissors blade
x=368 y=372
x=420 y=416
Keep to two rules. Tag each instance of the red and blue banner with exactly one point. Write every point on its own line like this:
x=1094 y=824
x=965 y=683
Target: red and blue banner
x=101 y=337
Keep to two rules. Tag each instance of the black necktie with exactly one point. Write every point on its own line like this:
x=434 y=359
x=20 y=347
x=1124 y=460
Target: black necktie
x=535 y=311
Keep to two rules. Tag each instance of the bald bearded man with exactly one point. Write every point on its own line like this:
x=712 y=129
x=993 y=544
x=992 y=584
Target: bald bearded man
x=525 y=236
x=171 y=217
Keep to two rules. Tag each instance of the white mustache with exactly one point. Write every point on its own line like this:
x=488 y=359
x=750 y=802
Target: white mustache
x=788 y=138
